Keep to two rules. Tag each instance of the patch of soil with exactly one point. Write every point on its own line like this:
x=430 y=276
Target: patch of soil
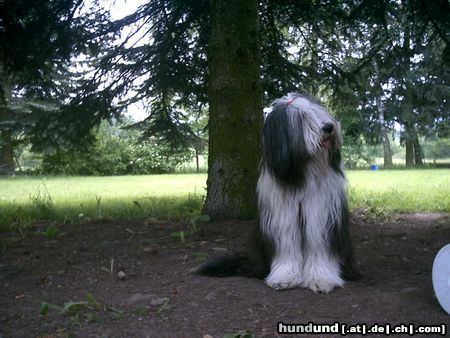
x=156 y=296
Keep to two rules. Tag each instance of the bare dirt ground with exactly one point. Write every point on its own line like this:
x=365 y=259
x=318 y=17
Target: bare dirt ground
x=157 y=296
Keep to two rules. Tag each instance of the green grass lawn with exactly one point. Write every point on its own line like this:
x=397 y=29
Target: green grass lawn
x=26 y=199
x=426 y=190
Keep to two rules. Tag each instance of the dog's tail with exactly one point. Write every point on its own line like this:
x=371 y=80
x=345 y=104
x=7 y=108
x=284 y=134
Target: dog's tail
x=254 y=263
x=229 y=265
x=225 y=266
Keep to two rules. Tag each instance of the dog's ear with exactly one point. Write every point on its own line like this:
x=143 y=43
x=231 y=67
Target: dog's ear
x=283 y=145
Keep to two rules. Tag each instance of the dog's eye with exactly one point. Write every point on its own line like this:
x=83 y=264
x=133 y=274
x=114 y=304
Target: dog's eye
x=328 y=128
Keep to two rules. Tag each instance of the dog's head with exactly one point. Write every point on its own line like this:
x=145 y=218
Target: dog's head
x=299 y=130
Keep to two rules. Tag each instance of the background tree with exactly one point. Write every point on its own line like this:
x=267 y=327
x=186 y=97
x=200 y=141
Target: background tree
x=7 y=164
x=389 y=74
x=415 y=92
x=39 y=40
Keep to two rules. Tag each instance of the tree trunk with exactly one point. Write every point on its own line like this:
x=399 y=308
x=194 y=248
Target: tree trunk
x=235 y=110
x=414 y=155
x=387 y=151
x=418 y=158
x=197 y=162
x=409 y=145
x=409 y=159
x=409 y=125
x=7 y=165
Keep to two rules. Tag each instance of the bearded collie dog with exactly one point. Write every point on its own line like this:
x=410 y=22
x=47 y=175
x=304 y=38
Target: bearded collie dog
x=302 y=238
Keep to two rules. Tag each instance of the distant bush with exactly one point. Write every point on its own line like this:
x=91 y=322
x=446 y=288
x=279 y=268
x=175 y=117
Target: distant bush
x=116 y=152
x=437 y=149
x=356 y=153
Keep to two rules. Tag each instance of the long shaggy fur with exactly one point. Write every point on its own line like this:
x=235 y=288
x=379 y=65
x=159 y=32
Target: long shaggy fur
x=302 y=237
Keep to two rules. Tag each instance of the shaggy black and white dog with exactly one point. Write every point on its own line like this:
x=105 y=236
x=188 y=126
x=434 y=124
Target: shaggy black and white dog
x=302 y=237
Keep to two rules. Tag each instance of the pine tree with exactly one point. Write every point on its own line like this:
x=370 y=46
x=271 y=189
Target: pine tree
x=39 y=40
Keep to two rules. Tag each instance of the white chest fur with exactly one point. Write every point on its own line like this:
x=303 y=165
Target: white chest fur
x=298 y=221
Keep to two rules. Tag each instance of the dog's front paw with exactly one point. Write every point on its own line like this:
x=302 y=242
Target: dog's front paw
x=280 y=286
x=283 y=284
x=321 y=286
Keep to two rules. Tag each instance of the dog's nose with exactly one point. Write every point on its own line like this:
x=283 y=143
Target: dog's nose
x=328 y=128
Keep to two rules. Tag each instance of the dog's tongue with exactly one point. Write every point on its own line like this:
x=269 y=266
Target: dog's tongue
x=328 y=143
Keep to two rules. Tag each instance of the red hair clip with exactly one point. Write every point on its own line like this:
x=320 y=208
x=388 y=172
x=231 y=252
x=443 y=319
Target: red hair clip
x=289 y=102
